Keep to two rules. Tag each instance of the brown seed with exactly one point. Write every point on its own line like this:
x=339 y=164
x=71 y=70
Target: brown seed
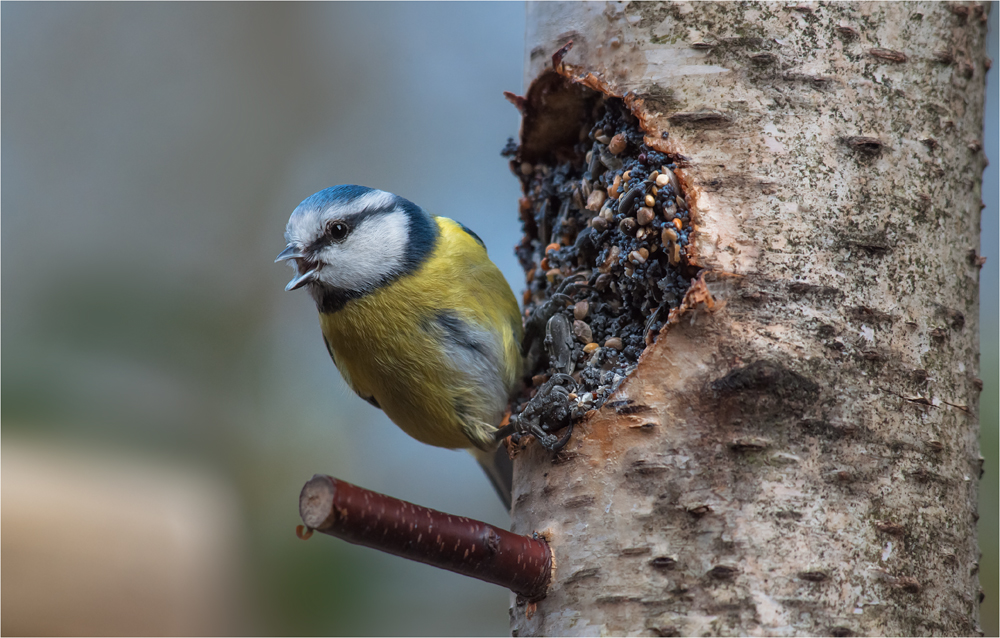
x=645 y=216
x=650 y=201
x=629 y=271
x=614 y=342
x=682 y=203
x=526 y=168
x=615 y=187
x=590 y=347
x=539 y=379
x=602 y=138
x=552 y=274
x=581 y=309
x=675 y=254
x=669 y=235
x=627 y=175
x=636 y=257
x=596 y=199
x=672 y=178
x=662 y=180
x=628 y=226
x=599 y=224
x=610 y=261
x=551 y=247
x=654 y=175
x=644 y=253
x=678 y=223
x=583 y=332
x=617 y=144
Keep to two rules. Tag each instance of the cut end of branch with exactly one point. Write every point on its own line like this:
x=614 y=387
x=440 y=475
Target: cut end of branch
x=316 y=502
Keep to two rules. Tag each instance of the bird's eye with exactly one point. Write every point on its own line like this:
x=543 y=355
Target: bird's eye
x=337 y=230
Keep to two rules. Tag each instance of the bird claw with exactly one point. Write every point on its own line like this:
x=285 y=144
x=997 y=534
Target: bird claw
x=546 y=412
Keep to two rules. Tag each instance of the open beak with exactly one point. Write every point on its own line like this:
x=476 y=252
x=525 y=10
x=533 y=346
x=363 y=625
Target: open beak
x=290 y=252
x=309 y=270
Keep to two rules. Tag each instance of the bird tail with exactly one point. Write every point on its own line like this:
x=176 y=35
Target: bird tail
x=499 y=469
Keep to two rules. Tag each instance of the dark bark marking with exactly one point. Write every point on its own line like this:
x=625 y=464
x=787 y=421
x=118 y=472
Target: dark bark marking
x=585 y=500
x=828 y=430
x=888 y=527
x=874 y=246
x=803 y=288
x=646 y=468
x=908 y=584
x=866 y=146
x=664 y=562
x=814 y=576
x=888 y=55
x=766 y=377
x=790 y=514
x=723 y=572
x=816 y=81
x=846 y=32
x=633 y=409
x=944 y=56
x=749 y=444
x=763 y=59
x=581 y=574
x=698 y=509
x=704 y=119
x=864 y=313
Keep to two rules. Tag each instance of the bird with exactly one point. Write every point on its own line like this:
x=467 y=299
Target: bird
x=416 y=317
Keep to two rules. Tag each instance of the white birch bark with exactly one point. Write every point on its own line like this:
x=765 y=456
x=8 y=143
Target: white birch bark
x=807 y=460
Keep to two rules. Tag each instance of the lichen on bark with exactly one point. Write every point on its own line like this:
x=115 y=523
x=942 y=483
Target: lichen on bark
x=797 y=453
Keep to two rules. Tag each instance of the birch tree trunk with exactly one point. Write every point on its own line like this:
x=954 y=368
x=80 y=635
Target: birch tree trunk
x=808 y=461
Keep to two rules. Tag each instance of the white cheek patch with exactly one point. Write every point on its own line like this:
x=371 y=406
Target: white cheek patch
x=373 y=252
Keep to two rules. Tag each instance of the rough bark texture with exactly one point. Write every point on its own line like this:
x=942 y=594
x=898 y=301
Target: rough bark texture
x=800 y=456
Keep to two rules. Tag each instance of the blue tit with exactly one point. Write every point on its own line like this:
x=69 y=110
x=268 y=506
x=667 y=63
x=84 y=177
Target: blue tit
x=416 y=317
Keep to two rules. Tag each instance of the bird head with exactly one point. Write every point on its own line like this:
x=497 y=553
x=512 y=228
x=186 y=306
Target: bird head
x=346 y=241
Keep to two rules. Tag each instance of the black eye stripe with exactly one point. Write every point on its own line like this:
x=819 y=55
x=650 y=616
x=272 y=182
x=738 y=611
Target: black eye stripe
x=352 y=222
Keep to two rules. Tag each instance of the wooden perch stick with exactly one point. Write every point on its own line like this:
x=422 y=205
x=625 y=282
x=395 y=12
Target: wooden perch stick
x=463 y=545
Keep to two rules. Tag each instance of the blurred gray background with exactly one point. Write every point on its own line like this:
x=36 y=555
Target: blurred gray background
x=163 y=400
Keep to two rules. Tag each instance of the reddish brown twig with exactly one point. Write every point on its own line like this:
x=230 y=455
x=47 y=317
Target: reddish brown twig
x=463 y=545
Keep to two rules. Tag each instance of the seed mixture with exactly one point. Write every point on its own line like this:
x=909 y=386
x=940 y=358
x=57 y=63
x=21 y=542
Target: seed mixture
x=604 y=252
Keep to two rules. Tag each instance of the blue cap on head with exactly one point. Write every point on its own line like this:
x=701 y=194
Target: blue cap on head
x=341 y=194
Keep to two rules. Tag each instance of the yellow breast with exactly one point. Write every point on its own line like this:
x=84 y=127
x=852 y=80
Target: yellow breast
x=438 y=349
